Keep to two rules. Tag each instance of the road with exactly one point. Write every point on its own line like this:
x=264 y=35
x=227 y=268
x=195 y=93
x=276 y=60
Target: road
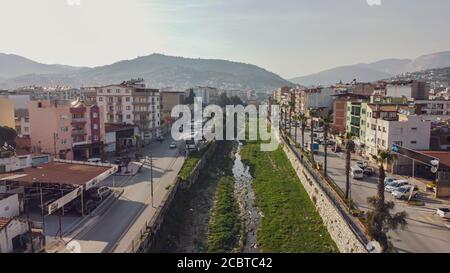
x=425 y=232
x=118 y=225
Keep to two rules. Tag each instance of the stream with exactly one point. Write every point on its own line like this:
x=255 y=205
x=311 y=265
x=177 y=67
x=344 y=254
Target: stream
x=246 y=199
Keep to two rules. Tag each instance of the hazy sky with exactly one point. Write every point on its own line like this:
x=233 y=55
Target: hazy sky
x=288 y=37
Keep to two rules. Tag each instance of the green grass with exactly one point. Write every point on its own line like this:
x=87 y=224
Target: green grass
x=225 y=224
x=189 y=165
x=290 y=222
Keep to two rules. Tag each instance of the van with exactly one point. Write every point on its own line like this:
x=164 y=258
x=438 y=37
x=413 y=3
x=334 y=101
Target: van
x=356 y=172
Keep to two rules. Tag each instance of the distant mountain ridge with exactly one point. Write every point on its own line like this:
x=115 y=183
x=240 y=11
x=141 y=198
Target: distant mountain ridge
x=375 y=71
x=158 y=71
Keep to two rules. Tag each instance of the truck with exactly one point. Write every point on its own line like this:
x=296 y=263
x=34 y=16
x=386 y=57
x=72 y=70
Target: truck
x=314 y=147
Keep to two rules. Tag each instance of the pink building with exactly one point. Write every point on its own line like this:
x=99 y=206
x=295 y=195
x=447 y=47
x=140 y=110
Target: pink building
x=67 y=130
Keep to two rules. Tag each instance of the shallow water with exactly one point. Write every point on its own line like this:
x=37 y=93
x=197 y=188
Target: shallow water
x=246 y=199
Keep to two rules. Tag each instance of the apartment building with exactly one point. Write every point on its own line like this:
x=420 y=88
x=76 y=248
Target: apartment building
x=385 y=127
x=7 y=113
x=409 y=89
x=316 y=98
x=340 y=109
x=67 y=130
x=132 y=103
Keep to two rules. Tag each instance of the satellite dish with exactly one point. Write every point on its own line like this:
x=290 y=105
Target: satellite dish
x=434 y=169
x=373 y=247
x=434 y=162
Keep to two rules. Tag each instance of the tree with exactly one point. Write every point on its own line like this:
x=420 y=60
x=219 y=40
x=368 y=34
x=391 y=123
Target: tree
x=349 y=148
x=383 y=157
x=302 y=118
x=326 y=128
x=296 y=119
x=381 y=220
x=235 y=100
x=224 y=100
x=291 y=107
x=311 y=116
x=7 y=135
x=190 y=98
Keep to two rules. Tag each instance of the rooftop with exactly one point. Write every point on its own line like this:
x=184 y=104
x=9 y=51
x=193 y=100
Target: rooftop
x=442 y=156
x=57 y=173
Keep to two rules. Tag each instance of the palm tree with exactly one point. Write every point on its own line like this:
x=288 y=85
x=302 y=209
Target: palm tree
x=383 y=157
x=349 y=147
x=380 y=220
x=296 y=119
x=311 y=116
x=291 y=107
x=326 y=127
x=302 y=118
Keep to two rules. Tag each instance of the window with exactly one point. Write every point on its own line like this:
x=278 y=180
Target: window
x=100 y=91
x=383 y=142
x=117 y=90
x=384 y=129
x=111 y=100
x=95 y=138
x=413 y=142
x=64 y=141
x=127 y=99
x=128 y=108
x=128 y=116
x=414 y=128
x=95 y=126
x=108 y=91
x=94 y=115
x=64 y=129
x=100 y=98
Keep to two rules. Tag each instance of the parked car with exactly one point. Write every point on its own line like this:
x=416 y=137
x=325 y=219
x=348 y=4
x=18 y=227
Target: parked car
x=443 y=212
x=94 y=160
x=99 y=193
x=173 y=145
x=395 y=185
x=361 y=164
x=369 y=171
x=356 y=172
x=404 y=192
x=389 y=179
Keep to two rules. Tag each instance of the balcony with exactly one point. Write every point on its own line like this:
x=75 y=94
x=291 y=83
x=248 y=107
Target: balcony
x=78 y=132
x=78 y=121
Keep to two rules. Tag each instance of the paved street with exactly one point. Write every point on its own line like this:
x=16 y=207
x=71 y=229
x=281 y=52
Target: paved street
x=425 y=232
x=107 y=231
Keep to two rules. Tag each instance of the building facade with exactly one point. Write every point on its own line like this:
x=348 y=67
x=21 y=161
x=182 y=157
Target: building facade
x=67 y=130
x=132 y=103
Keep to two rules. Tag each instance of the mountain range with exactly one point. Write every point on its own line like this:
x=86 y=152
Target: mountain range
x=157 y=70
x=368 y=72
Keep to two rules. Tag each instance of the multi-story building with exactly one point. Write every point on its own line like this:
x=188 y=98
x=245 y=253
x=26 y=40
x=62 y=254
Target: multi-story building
x=409 y=89
x=385 y=127
x=68 y=130
x=132 y=103
x=7 y=113
x=170 y=99
x=22 y=126
x=340 y=109
x=316 y=98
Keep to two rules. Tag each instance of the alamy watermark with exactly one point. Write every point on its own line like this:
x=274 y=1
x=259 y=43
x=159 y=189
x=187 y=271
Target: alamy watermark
x=241 y=123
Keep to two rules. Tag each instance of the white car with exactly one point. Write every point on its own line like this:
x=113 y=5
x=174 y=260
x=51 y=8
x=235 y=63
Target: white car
x=361 y=164
x=173 y=145
x=356 y=172
x=395 y=185
x=404 y=192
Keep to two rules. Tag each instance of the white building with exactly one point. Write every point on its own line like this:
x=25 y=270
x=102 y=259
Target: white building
x=132 y=103
x=410 y=132
x=409 y=89
x=10 y=232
